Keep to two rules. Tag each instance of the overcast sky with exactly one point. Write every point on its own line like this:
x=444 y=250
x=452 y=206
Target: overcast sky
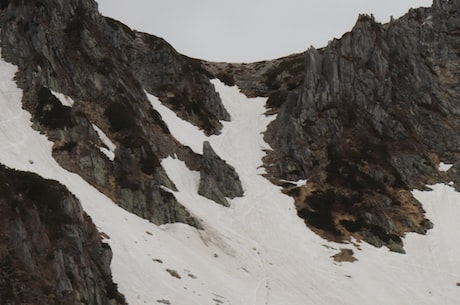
x=249 y=30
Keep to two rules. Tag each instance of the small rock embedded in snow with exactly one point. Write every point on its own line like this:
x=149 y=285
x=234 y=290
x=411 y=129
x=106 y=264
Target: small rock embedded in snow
x=173 y=273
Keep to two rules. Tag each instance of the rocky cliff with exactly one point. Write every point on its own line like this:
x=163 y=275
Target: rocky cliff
x=105 y=68
x=375 y=113
x=364 y=120
x=218 y=180
x=50 y=251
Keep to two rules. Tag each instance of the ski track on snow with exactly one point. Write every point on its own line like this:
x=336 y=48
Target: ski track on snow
x=257 y=251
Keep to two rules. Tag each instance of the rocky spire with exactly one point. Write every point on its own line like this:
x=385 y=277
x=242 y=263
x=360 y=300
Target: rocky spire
x=218 y=180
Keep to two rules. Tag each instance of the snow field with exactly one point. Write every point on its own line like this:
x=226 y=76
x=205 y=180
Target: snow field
x=255 y=252
x=295 y=264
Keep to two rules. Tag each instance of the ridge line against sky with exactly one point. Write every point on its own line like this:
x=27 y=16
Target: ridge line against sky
x=249 y=30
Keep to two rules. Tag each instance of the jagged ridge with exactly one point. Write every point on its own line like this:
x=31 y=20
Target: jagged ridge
x=376 y=113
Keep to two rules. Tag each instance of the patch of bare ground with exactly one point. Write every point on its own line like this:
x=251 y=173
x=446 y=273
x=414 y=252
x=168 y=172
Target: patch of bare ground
x=345 y=255
x=336 y=214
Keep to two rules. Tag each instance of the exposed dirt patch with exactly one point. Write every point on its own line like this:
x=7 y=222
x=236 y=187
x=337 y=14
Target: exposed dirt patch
x=345 y=255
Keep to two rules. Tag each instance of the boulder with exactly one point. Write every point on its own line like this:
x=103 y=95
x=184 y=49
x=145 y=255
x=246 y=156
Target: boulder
x=218 y=180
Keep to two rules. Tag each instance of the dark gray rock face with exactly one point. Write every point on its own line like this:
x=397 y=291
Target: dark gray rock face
x=366 y=120
x=376 y=112
x=453 y=174
x=217 y=178
x=50 y=251
x=68 y=47
x=179 y=81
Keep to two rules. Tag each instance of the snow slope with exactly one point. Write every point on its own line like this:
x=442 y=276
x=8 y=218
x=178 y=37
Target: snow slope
x=255 y=252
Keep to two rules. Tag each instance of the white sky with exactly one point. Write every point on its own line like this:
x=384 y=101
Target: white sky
x=249 y=30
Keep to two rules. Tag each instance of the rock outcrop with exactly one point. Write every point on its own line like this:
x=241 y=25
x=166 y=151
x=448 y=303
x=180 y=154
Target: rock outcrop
x=70 y=48
x=50 y=251
x=377 y=111
x=218 y=179
x=365 y=120
x=180 y=82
